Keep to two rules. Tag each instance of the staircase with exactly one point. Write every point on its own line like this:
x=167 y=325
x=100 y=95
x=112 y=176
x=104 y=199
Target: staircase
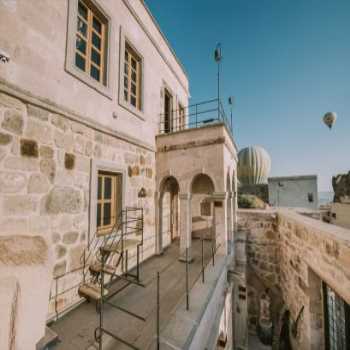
x=106 y=258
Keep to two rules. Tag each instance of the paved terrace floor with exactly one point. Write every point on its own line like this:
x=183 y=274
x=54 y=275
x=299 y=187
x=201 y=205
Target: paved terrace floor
x=76 y=329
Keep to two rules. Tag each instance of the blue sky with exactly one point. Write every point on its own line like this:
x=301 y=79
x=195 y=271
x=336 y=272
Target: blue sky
x=287 y=62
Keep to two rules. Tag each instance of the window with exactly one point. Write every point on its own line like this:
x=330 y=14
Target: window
x=181 y=117
x=337 y=320
x=91 y=41
x=310 y=197
x=168 y=111
x=108 y=200
x=132 y=77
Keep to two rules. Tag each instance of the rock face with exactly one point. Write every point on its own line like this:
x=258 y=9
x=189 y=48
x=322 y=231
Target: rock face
x=341 y=187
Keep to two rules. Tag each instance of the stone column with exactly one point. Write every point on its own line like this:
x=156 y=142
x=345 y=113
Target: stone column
x=185 y=226
x=220 y=221
x=230 y=220
x=158 y=221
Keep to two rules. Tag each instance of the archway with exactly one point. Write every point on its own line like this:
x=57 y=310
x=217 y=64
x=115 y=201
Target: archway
x=168 y=212
x=202 y=189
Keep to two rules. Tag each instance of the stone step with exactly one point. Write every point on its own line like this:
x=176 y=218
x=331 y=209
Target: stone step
x=97 y=268
x=91 y=291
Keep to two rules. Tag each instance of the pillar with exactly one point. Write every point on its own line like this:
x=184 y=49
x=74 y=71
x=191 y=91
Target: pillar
x=220 y=221
x=185 y=226
x=230 y=221
x=159 y=224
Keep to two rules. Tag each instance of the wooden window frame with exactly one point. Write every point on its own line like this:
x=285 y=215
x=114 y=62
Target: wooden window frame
x=168 y=119
x=131 y=55
x=182 y=117
x=115 y=201
x=92 y=13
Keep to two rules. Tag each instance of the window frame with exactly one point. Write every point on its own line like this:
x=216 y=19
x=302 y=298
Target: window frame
x=104 y=87
x=98 y=166
x=125 y=41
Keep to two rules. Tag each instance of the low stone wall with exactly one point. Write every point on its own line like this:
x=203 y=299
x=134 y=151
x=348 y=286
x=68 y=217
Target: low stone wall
x=290 y=255
x=45 y=183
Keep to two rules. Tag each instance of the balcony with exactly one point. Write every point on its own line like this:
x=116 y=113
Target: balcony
x=195 y=116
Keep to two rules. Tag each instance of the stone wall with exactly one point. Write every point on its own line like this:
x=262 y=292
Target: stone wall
x=45 y=176
x=291 y=255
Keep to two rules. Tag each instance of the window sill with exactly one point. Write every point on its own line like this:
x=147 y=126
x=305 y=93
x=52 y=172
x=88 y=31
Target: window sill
x=136 y=112
x=84 y=78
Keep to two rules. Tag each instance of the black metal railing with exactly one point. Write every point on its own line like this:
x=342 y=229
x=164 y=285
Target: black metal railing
x=194 y=116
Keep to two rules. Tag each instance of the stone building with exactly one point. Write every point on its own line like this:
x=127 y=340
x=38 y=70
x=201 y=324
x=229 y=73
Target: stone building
x=94 y=124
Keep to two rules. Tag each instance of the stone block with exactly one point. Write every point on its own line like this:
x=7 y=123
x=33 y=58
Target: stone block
x=11 y=102
x=79 y=145
x=70 y=237
x=37 y=112
x=38 y=183
x=82 y=130
x=61 y=251
x=38 y=131
x=13 y=226
x=48 y=168
x=13 y=121
x=55 y=237
x=149 y=173
x=75 y=256
x=64 y=200
x=5 y=139
x=59 y=122
x=82 y=164
x=46 y=152
x=19 y=205
x=64 y=140
x=60 y=269
x=29 y=148
x=12 y=182
x=69 y=161
x=89 y=148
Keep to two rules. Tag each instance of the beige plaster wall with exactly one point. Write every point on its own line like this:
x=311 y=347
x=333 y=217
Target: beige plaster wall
x=34 y=34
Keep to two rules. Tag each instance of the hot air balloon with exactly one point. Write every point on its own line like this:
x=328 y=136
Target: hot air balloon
x=254 y=165
x=329 y=119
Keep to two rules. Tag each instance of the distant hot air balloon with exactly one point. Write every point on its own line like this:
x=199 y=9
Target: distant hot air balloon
x=329 y=119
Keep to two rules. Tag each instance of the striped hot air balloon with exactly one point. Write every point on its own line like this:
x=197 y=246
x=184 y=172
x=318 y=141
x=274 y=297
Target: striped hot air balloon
x=254 y=165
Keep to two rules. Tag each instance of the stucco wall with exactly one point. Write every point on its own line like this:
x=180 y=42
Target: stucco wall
x=293 y=191
x=34 y=34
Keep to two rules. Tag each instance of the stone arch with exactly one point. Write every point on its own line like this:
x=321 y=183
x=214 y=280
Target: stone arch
x=168 y=212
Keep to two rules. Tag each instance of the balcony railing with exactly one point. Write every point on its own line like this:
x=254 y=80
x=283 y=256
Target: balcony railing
x=194 y=116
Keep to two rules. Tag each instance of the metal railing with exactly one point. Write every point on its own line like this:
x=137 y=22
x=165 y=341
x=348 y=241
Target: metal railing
x=194 y=116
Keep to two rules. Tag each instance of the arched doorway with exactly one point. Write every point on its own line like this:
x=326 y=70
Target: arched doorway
x=202 y=189
x=168 y=212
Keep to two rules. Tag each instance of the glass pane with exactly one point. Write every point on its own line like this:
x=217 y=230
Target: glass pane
x=98 y=214
x=82 y=27
x=125 y=82
x=95 y=57
x=99 y=188
x=95 y=73
x=133 y=63
x=126 y=68
x=82 y=10
x=97 y=25
x=125 y=95
x=81 y=45
x=80 y=62
x=108 y=188
x=107 y=219
x=133 y=101
x=96 y=41
x=126 y=56
x=133 y=75
x=133 y=88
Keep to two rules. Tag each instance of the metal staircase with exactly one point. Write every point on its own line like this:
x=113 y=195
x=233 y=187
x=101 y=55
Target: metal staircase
x=108 y=255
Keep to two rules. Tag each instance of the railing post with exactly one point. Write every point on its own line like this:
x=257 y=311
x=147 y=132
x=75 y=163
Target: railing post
x=202 y=258
x=187 y=284
x=158 y=310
